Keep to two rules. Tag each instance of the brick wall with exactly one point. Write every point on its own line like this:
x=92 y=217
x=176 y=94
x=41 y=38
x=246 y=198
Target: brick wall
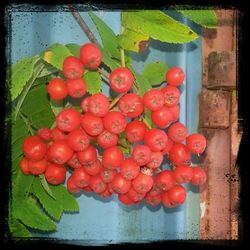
x=219 y=123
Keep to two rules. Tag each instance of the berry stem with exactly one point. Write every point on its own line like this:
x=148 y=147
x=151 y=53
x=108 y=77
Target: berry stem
x=146 y=122
x=122 y=51
x=28 y=125
x=117 y=98
x=103 y=73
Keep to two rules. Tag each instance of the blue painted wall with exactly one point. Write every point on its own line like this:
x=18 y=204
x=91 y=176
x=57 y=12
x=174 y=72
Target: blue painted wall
x=108 y=221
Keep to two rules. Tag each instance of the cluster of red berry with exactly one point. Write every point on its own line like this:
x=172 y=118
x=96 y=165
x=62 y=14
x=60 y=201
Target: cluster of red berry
x=105 y=169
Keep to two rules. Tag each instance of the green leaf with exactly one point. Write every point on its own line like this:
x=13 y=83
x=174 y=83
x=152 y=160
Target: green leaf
x=141 y=83
x=32 y=216
x=133 y=41
x=36 y=107
x=53 y=208
x=74 y=49
x=157 y=25
x=46 y=186
x=56 y=106
x=155 y=72
x=109 y=40
x=56 y=54
x=47 y=70
x=93 y=82
x=18 y=230
x=65 y=199
x=108 y=61
x=147 y=118
x=206 y=18
x=20 y=73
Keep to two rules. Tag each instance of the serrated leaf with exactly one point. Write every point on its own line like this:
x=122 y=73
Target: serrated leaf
x=65 y=199
x=53 y=208
x=142 y=83
x=20 y=73
x=109 y=39
x=133 y=41
x=56 y=54
x=155 y=72
x=93 y=82
x=47 y=70
x=108 y=61
x=18 y=230
x=206 y=18
x=74 y=49
x=56 y=106
x=46 y=186
x=32 y=216
x=157 y=25
x=36 y=107
x=147 y=118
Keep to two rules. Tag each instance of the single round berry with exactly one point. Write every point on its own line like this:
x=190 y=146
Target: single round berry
x=92 y=124
x=153 y=200
x=112 y=157
x=175 y=112
x=58 y=134
x=131 y=105
x=166 y=200
x=123 y=198
x=76 y=87
x=72 y=68
x=179 y=154
x=183 y=174
x=129 y=169
x=81 y=177
x=177 y=195
x=37 y=167
x=135 y=131
x=87 y=156
x=153 y=99
x=135 y=196
x=85 y=104
x=57 y=89
x=175 y=76
x=177 y=132
x=162 y=118
x=114 y=122
x=141 y=154
x=121 y=80
x=155 y=139
x=196 y=143
x=120 y=185
x=55 y=174
x=71 y=185
x=97 y=184
x=107 y=139
x=90 y=55
x=142 y=183
x=68 y=120
x=93 y=168
x=165 y=180
x=24 y=166
x=156 y=160
x=44 y=133
x=107 y=175
x=199 y=176
x=73 y=162
x=171 y=95
x=78 y=140
x=98 y=105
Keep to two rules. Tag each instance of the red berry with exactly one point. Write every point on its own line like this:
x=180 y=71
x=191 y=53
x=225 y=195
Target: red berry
x=129 y=169
x=34 y=148
x=87 y=189
x=196 y=143
x=93 y=125
x=90 y=55
x=121 y=80
x=155 y=139
x=106 y=193
x=57 y=134
x=44 y=133
x=76 y=87
x=107 y=175
x=112 y=157
x=168 y=147
x=73 y=162
x=175 y=76
x=166 y=200
x=71 y=185
x=199 y=176
x=135 y=196
x=175 y=112
x=131 y=105
x=177 y=132
x=55 y=174
x=153 y=200
x=183 y=174
x=120 y=185
x=93 y=168
x=165 y=180
x=135 y=131
x=87 y=156
x=179 y=154
x=123 y=198
x=72 y=68
x=107 y=139
x=37 y=167
x=162 y=117
x=59 y=152
x=85 y=104
x=57 y=89
x=177 y=195
x=171 y=95
x=97 y=184
x=98 y=105
x=81 y=177
x=141 y=154
x=114 y=122
x=68 y=120
x=155 y=190
x=24 y=166
x=156 y=160
x=142 y=183
x=78 y=140
x=153 y=99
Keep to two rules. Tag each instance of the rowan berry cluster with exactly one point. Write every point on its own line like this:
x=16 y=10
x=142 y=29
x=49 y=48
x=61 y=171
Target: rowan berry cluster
x=87 y=141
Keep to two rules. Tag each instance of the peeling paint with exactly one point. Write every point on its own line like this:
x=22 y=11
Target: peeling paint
x=203 y=208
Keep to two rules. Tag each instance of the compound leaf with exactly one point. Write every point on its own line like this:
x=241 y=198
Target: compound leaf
x=93 y=82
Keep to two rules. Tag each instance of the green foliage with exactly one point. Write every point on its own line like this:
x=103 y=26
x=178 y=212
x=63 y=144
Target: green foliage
x=74 y=49
x=39 y=113
x=108 y=61
x=206 y=18
x=133 y=41
x=147 y=118
x=53 y=208
x=56 y=106
x=32 y=216
x=93 y=82
x=142 y=83
x=155 y=72
x=157 y=25
x=56 y=54
x=20 y=73
x=109 y=39
x=18 y=230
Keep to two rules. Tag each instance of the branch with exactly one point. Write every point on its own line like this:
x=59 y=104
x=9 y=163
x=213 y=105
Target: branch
x=83 y=25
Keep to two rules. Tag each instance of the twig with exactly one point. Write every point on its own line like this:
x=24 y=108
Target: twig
x=83 y=25
x=103 y=73
x=145 y=121
x=113 y=103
